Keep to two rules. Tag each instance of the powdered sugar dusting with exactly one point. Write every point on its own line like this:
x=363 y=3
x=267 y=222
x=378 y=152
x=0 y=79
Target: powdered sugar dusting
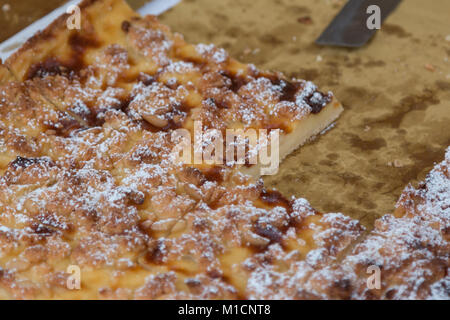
x=88 y=180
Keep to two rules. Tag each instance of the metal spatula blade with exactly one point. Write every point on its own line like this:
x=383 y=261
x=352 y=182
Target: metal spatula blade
x=349 y=27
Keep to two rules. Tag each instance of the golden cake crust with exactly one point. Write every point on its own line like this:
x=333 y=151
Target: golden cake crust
x=87 y=178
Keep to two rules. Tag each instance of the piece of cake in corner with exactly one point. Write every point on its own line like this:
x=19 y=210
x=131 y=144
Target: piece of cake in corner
x=118 y=56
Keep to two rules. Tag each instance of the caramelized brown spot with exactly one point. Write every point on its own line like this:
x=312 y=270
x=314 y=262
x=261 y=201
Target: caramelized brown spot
x=49 y=67
x=126 y=26
x=318 y=104
x=192 y=176
x=85 y=113
x=236 y=81
x=53 y=66
x=145 y=79
x=21 y=162
x=42 y=229
x=275 y=199
x=269 y=232
x=193 y=283
x=155 y=253
x=341 y=289
x=135 y=197
x=215 y=274
x=79 y=42
x=289 y=90
x=64 y=127
x=214 y=174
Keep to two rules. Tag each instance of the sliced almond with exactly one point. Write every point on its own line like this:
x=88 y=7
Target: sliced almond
x=147 y=224
x=193 y=191
x=154 y=120
x=163 y=225
x=253 y=239
x=179 y=226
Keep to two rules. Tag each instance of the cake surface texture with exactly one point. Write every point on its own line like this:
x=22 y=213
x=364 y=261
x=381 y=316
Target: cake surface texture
x=88 y=181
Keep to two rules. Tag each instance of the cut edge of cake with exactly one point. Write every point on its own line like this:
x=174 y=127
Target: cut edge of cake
x=304 y=131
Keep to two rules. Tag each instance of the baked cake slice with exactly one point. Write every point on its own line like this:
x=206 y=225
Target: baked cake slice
x=88 y=178
x=409 y=248
x=54 y=217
